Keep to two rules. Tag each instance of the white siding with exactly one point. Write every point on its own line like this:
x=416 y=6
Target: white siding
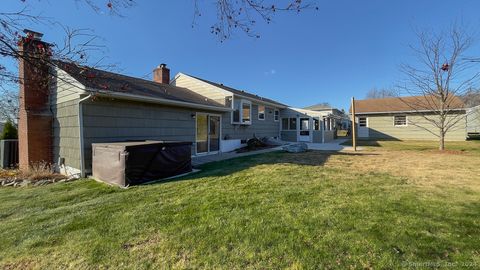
x=200 y=87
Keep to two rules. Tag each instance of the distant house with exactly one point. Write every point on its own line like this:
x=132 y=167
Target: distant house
x=473 y=122
x=82 y=105
x=340 y=118
x=401 y=118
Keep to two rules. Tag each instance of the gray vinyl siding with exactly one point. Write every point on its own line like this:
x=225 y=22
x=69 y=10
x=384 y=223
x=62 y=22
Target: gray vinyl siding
x=66 y=135
x=110 y=121
x=288 y=135
x=317 y=136
x=382 y=127
x=329 y=136
x=258 y=128
x=64 y=96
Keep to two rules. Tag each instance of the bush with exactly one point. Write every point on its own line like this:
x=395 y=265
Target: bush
x=9 y=131
x=255 y=143
x=40 y=171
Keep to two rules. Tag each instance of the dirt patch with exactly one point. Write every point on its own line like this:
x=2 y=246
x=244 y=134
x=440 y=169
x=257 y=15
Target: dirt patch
x=448 y=152
x=142 y=243
x=427 y=169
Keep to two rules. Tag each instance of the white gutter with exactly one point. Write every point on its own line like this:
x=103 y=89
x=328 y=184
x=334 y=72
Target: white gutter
x=82 y=144
x=158 y=100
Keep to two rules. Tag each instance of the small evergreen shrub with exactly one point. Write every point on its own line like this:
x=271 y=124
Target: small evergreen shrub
x=9 y=131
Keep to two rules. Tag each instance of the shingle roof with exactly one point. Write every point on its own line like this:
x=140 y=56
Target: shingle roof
x=404 y=104
x=319 y=107
x=240 y=92
x=118 y=83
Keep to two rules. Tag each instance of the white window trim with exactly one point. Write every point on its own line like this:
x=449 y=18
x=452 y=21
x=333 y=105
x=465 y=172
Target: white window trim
x=243 y=101
x=240 y=117
x=274 y=115
x=264 y=112
x=406 y=121
x=366 y=121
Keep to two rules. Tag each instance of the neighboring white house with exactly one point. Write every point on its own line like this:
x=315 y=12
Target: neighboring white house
x=473 y=122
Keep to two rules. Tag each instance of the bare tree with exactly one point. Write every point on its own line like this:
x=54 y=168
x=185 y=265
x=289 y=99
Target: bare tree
x=243 y=15
x=471 y=97
x=445 y=72
x=375 y=93
x=83 y=47
x=9 y=105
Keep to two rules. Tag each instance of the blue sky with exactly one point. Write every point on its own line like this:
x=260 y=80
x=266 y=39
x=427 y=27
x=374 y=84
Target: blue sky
x=342 y=50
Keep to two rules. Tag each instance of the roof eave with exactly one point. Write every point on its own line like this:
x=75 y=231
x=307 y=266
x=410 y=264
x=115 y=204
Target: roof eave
x=263 y=101
x=413 y=111
x=162 y=101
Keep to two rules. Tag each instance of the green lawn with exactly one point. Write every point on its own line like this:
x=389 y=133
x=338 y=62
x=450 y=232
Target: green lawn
x=276 y=210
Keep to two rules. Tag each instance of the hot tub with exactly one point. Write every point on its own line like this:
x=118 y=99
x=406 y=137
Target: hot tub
x=133 y=163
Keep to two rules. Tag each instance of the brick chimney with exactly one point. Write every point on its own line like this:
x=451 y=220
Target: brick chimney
x=35 y=116
x=161 y=74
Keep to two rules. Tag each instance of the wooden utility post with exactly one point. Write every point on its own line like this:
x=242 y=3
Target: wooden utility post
x=354 y=126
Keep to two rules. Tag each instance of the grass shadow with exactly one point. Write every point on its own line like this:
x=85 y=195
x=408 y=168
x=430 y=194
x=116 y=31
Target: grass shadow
x=231 y=166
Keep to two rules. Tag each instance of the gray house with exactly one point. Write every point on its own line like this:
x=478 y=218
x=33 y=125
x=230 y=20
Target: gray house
x=83 y=105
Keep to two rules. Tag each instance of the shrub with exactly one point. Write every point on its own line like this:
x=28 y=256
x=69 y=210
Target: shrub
x=255 y=143
x=40 y=171
x=9 y=131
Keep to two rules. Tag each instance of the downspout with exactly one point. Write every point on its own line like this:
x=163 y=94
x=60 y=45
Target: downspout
x=80 y=126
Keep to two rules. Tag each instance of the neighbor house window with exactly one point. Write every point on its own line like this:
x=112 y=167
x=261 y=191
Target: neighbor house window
x=362 y=121
x=261 y=112
x=276 y=115
x=242 y=112
x=284 y=123
x=400 y=120
x=292 y=123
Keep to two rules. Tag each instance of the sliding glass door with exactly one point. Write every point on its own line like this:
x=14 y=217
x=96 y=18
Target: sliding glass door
x=208 y=133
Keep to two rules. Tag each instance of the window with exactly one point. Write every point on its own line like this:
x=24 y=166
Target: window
x=284 y=123
x=289 y=123
x=228 y=102
x=276 y=115
x=316 y=124
x=293 y=124
x=261 y=112
x=362 y=121
x=246 y=111
x=326 y=123
x=399 y=120
x=242 y=112
x=236 y=115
